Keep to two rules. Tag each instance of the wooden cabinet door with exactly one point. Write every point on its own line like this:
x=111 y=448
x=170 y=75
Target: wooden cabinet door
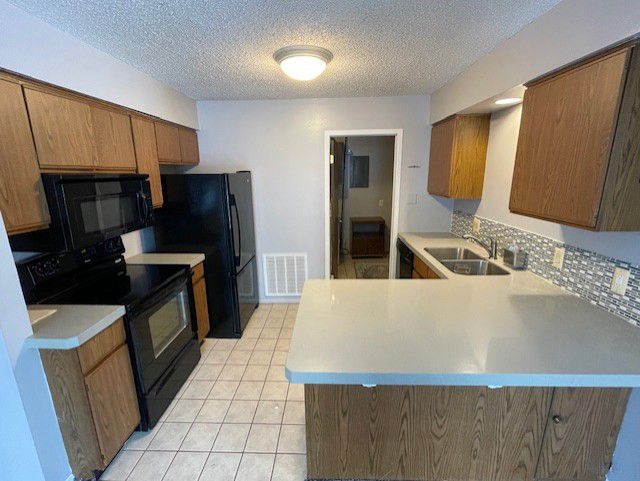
x=113 y=401
x=144 y=139
x=114 y=143
x=200 y=298
x=168 y=142
x=189 y=147
x=581 y=433
x=566 y=132
x=441 y=157
x=22 y=200
x=62 y=130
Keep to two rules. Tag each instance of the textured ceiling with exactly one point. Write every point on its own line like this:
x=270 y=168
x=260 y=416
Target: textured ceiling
x=223 y=49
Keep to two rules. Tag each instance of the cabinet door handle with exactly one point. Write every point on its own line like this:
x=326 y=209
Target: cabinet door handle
x=557 y=419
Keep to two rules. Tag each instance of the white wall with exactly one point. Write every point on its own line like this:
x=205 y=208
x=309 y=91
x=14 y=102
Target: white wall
x=501 y=152
x=282 y=143
x=364 y=201
x=32 y=47
x=28 y=423
x=572 y=29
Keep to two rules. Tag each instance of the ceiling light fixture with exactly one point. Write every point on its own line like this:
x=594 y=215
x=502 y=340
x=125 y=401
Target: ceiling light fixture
x=303 y=62
x=508 y=101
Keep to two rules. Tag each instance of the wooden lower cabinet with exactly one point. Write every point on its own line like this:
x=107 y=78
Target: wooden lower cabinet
x=461 y=433
x=113 y=402
x=200 y=298
x=581 y=433
x=97 y=411
x=422 y=270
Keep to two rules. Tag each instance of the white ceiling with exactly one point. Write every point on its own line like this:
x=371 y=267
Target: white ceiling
x=223 y=49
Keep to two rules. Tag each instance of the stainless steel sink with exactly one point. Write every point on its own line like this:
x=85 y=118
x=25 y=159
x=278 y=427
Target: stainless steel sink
x=474 y=268
x=452 y=253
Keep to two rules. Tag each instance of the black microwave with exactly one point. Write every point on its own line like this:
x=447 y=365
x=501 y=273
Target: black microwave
x=88 y=209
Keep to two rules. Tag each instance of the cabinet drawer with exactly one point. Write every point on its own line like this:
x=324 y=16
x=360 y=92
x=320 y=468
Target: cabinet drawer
x=92 y=352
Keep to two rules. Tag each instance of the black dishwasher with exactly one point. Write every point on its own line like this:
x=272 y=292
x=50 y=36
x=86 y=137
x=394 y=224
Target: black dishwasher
x=405 y=261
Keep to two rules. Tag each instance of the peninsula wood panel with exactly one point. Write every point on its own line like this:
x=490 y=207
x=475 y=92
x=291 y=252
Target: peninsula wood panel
x=144 y=139
x=566 y=134
x=92 y=352
x=424 y=432
x=66 y=384
x=582 y=429
x=113 y=139
x=62 y=131
x=168 y=142
x=22 y=201
x=113 y=401
x=189 y=153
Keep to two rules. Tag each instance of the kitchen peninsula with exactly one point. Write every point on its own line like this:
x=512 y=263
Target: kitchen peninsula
x=468 y=378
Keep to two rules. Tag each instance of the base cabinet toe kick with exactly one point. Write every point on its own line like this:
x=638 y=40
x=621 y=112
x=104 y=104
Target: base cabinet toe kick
x=461 y=433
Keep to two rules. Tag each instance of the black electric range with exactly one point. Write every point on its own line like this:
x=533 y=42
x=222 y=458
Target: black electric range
x=160 y=319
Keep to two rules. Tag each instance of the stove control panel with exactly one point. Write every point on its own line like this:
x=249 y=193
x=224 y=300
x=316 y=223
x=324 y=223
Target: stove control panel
x=46 y=268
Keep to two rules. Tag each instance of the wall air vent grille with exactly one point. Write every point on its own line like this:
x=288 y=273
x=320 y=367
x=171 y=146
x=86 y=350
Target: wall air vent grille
x=284 y=274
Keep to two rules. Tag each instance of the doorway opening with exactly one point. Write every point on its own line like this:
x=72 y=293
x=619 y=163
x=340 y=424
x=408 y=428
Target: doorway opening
x=361 y=203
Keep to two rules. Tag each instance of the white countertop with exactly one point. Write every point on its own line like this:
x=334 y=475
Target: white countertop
x=515 y=330
x=190 y=259
x=69 y=326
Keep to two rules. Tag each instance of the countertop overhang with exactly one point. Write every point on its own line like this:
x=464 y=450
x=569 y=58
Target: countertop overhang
x=70 y=326
x=516 y=330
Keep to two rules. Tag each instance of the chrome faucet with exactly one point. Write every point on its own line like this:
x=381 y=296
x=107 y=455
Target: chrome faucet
x=491 y=248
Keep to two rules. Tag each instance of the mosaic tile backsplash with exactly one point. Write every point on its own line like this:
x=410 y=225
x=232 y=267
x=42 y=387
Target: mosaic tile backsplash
x=584 y=273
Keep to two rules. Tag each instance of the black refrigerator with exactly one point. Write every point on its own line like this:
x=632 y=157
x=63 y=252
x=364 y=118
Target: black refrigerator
x=213 y=214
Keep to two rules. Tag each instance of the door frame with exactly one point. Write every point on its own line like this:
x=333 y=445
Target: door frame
x=395 y=198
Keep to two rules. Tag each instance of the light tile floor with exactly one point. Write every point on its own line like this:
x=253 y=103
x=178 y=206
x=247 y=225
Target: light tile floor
x=236 y=419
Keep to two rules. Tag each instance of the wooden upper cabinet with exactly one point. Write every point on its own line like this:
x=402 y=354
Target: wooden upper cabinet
x=114 y=143
x=62 y=131
x=189 y=147
x=168 y=142
x=578 y=154
x=144 y=138
x=22 y=200
x=457 y=156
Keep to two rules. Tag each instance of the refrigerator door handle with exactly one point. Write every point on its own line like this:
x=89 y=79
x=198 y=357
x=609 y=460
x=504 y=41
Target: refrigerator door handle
x=237 y=255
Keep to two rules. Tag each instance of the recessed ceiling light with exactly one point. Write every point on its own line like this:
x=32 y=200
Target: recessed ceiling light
x=303 y=62
x=508 y=101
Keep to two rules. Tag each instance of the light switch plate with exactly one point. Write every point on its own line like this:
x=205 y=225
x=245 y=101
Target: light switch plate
x=476 y=225
x=558 y=257
x=380 y=202
x=619 y=281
